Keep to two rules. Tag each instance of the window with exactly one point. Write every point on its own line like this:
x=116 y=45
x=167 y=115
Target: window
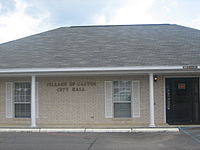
x=122 y=92
x=22 y=99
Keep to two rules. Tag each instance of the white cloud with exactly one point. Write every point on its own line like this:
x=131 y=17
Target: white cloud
x=17 y=23
x=150 y=11
x=130 y=12
x=30 y=17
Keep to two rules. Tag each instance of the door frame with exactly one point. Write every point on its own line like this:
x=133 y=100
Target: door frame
x=164 y=91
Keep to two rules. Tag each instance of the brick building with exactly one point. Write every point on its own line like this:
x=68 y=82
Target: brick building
x=101 y=76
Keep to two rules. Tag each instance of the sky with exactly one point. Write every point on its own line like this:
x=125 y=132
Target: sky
x=21 y=18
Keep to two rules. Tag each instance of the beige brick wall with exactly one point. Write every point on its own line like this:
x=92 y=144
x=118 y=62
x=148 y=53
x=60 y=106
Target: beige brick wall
x=83 y=108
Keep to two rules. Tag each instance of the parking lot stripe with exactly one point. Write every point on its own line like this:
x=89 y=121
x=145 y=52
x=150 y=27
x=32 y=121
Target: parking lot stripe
x=189 y=134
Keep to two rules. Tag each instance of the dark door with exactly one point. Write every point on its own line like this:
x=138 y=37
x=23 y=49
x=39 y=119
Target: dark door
x=182 y=100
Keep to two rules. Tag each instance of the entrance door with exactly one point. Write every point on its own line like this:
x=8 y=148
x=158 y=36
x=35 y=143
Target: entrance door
x=182 y=100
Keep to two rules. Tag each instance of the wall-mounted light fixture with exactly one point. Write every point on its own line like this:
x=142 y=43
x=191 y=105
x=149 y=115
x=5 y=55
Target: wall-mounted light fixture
x=155 y=78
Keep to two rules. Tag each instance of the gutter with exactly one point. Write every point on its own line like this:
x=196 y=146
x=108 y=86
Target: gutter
x=77 y=71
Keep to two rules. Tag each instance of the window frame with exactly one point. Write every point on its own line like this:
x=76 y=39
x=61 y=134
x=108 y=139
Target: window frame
x=25 y=102
x=122 y=102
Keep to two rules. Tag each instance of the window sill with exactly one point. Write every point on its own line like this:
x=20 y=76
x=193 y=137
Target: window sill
x=119 y=119
x=21 y=119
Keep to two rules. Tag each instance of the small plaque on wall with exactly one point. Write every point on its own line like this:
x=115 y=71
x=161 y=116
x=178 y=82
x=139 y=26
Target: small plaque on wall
x=190 y=67
x=181 y=86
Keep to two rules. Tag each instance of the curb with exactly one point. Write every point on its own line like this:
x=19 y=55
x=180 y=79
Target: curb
x=155 y=130
x=88 y=130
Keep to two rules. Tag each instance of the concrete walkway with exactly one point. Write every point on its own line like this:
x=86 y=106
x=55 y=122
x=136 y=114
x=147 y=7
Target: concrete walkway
x=163 y=129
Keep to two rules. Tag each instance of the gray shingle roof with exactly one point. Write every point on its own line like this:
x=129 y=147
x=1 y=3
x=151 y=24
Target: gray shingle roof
x=104 y=46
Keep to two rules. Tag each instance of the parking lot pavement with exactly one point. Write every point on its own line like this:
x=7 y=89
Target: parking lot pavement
x=97 y=141
x=193 y=132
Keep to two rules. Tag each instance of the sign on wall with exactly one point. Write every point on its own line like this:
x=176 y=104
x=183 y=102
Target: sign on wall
x=71 y=86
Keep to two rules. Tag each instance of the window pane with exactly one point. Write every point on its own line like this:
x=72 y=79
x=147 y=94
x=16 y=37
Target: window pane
x=22 y=92
x=22 y=110
x=16 y=85
x=122 y=110
x=124 y=83
x=122 y=91
x=17 y=99
x=116 y=91
x=115 y=83
x=28 y=85
x=28 y=91
x=128 y=83
x=28 y=98
x=116 y=98
x=125 y=97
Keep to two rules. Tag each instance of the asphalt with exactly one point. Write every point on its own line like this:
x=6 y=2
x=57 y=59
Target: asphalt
x=99 y=141
x=193 y=132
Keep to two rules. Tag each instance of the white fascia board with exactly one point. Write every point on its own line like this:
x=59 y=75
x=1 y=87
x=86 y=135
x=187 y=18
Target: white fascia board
x=95 y=69
x=43 y=70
